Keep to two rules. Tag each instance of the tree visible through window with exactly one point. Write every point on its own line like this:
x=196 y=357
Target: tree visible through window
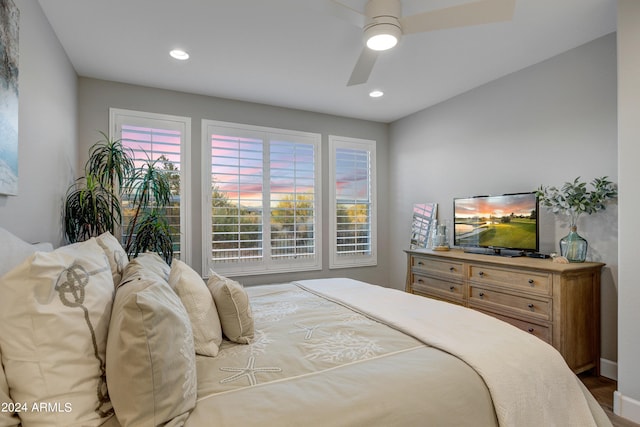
x=159 y=138
x=264 y=187
x=353 y=202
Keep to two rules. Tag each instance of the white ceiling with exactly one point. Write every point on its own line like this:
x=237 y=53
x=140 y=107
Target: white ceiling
x=291 y=53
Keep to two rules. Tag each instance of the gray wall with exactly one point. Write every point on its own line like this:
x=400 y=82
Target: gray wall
x=546 y=124
x=543 y=125
x=47 y=131
x=97 y=96
x=627 y=399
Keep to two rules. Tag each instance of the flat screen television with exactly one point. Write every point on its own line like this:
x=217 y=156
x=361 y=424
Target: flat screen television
x=497 y=225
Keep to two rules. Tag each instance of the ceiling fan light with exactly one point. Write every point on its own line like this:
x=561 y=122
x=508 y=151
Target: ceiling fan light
x=382 y=36
x=382 y=42
x=179 y=54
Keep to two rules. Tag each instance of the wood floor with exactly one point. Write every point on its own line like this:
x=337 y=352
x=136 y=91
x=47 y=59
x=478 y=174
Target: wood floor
x=602 y=389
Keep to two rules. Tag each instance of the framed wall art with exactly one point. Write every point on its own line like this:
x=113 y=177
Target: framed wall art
x=9 y=53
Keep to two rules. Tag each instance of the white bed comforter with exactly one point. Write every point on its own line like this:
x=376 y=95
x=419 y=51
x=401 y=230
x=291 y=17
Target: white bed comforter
x=529 y=381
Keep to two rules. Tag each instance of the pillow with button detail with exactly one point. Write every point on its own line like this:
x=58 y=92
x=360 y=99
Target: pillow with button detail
x=151 y=262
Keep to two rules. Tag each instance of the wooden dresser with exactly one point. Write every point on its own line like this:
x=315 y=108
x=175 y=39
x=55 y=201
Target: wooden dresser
x=558 y=303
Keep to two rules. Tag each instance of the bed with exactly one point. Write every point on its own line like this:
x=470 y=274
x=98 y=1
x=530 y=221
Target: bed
x=326 y=352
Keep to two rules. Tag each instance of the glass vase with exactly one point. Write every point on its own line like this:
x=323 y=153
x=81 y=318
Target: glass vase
x=573 y=246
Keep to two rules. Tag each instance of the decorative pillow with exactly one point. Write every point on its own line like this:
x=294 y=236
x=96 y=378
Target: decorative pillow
x=14 y=250
x=8 y=417
x=116 y=255
x=54 y=311
x=197 y=300
x=233 y=307
x=153 y=263
x=150 y=355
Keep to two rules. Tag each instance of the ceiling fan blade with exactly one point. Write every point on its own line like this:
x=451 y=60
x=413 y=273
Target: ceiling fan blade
x=476 y=13
x=339 y=10
x=363 y=67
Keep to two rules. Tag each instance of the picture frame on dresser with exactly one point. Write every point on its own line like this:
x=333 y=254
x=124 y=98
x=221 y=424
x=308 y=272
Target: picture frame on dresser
x=423 y=221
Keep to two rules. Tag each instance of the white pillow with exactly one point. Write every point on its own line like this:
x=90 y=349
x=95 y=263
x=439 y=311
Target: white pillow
x=8 y=417
x=152 y=262
x=55 y=309
x=197 y=300
x=13 y=250
x=234 y=310
x=151 y=367
x=116 y=255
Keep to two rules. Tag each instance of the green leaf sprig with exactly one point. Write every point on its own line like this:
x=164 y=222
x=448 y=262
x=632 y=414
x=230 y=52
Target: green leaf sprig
x=574 y=199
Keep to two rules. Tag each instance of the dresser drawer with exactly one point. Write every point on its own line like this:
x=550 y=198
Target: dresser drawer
x=440 y=297
x=557 y=303
x=539 y=308
x=427 y=284
x=442 y=268
x=532 y=281
x=541 y=331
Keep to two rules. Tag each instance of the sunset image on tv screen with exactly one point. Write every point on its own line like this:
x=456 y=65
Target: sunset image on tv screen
x=508 y=221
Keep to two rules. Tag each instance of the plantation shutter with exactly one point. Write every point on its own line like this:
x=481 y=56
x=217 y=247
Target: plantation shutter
x=261 y=202
x=159 y=137
x=237 y=187
x=292 y=188
x=353 y=202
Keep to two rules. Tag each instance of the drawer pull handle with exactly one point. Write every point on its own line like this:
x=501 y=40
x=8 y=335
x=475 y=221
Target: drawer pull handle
x=530 y=330
x=420 y=281
x=451 y=269
x=420 y=263
x=481 y=273
x=481 y=294
x=452 y=288
x=531 y=282
x=530 y=307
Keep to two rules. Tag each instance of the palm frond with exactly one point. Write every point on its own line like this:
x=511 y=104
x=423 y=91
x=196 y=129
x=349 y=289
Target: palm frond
x=152 y=233
x=149 y=188
x=90 y=210
x=110 y=162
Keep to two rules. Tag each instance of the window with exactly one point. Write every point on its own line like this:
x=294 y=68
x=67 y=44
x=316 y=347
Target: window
x=261 y=199
x=353 y=202
x=163 y=138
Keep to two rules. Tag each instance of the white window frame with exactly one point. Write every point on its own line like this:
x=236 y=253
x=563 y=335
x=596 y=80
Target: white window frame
x=266 y=265
x=337 y=260
x=118 y=117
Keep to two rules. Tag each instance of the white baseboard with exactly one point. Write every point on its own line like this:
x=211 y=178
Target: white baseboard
x=626 y=407
x=623 y=406
x=609 y=369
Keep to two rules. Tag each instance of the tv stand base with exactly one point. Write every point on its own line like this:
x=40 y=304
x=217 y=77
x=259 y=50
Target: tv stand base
x=510 y=253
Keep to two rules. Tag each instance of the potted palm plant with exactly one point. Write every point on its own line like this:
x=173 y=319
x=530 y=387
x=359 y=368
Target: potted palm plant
x=93 y=203
x=89 y=210
x=573 y=199
x=149 y=191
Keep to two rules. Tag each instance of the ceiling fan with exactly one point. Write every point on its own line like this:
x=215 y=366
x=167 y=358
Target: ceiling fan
x=382 y=23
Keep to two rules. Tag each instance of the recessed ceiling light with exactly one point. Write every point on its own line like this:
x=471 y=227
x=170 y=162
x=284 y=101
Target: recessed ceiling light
x=179 y=54
x=376 y=93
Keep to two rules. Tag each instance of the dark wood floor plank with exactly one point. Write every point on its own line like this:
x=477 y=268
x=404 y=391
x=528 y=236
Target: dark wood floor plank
x=602 y=389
